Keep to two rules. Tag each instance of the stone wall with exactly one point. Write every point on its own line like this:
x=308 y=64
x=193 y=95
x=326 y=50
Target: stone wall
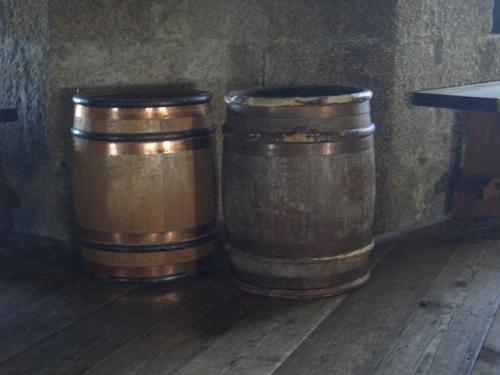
x=392 y=47
x=440 y=43
x=25 y=150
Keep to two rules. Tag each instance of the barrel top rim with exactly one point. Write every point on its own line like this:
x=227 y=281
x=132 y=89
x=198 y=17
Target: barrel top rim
x=298 y=96
x=141 y=97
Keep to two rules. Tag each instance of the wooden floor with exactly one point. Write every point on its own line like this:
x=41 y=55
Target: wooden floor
x=429 y=308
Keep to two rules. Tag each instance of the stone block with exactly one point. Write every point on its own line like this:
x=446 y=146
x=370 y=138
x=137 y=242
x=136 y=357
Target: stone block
x=448 y=19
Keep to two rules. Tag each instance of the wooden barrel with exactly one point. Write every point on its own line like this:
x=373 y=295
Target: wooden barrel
x=298 y=185
x=143 y=182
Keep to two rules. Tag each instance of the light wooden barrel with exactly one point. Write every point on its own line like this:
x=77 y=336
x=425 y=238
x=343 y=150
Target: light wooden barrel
x=143 y=182
x=298 y=185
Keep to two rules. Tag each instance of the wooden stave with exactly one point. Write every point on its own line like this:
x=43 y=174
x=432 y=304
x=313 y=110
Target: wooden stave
x=202 y=227
x=241 y=126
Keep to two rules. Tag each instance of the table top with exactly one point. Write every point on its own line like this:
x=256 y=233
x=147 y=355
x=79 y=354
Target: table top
x=8 y=114
x=483 y=97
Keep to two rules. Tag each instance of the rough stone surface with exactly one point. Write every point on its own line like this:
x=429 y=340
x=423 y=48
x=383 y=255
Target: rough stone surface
x=34 y=184
x=50 y=48
x=440 y=44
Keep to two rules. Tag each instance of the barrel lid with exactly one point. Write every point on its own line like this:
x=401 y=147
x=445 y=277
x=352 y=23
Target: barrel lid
x=281 y=96
x=140 y=97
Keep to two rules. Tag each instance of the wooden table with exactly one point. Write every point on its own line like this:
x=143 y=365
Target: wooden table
x=477 y=194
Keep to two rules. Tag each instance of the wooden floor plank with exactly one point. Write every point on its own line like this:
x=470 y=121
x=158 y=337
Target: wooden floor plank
x=81 y=345
x=52 y=313
x=261 y=342
x=178 y=337
x=29 y=274
x=204 y=325
x=354 y=336
x=266 y=337
x=192 y=342
x=446 y=332
x=488 y=361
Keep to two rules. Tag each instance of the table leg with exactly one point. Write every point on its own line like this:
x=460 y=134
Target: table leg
x=476 y=195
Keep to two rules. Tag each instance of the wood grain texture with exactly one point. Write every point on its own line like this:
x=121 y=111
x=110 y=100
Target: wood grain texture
x=480 y=106
x=440 y=283
x=144 y=193
x=269 y=334
x=457 y=305
x=287 y=198
x=167 y=344
x=53 y=312
x=482 y=135
x=31 y=273
x=477 y=97
x=249 y=348
x=96 y=335
x=300 y=200
x=352 y=339
x=143 y=196
x=106 y=331
x=481 y=155
x=488 y=361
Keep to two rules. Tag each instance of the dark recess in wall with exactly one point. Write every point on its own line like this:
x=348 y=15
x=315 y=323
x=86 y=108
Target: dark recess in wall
x=496 y=18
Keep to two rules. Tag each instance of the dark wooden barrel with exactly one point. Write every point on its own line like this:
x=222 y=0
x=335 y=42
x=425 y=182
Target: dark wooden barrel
x=298 y=187
x=143 y=182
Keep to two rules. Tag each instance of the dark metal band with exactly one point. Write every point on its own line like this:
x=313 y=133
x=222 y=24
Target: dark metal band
x=325 y=111
x=313 y=250
x=142 y=258
x=138 y=267
x=142 y=137
x=296 y=125
x=149 y=113
x=298 y=283
x=140 y=96
x=298 y=148
x=131 y=273
x=142 y=148
x=328 y=291
x=298 y=137
x=128 y=242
